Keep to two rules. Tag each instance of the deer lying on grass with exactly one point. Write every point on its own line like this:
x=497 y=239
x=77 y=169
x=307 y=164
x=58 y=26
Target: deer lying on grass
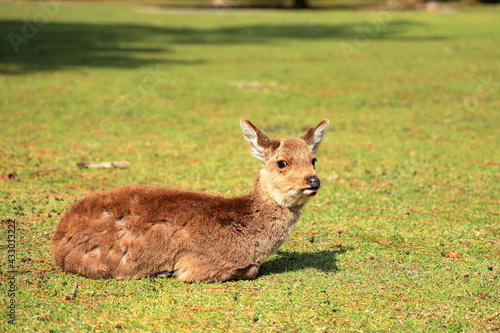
x=138 y=231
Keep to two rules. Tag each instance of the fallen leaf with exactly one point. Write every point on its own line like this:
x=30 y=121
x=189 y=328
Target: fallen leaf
x=453 y=254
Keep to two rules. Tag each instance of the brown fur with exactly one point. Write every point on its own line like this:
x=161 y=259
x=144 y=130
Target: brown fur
x=138 y=231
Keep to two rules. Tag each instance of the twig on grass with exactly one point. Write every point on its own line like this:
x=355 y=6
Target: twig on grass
x=104 y=165
x=493 y=317
x=73 y=292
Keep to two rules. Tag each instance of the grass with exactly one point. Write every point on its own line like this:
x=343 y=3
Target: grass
x=409 y=165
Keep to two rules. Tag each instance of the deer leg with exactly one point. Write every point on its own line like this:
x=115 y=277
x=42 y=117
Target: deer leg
x=247 y=273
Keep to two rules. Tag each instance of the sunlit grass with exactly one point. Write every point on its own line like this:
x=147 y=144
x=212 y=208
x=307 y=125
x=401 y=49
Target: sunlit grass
x=409 y=165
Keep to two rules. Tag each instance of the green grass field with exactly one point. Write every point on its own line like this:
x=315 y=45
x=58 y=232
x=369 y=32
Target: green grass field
x=410 y=165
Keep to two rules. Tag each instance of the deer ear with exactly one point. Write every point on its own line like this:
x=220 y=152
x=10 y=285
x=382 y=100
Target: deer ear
x=257 y=140
x=314 y=135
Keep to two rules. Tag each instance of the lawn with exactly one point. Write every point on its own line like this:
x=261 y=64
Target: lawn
x=405 y=233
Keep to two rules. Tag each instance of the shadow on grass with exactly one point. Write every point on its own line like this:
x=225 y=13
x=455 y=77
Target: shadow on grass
x=293 y=261
x=57 y=45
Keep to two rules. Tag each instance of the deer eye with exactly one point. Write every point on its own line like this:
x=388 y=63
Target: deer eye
x=282 y=164
x=314 y=161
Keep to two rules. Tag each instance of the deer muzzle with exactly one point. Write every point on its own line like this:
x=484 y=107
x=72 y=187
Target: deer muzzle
x=314 y=184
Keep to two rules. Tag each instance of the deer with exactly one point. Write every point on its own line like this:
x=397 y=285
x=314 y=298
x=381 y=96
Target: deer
x=138 y=231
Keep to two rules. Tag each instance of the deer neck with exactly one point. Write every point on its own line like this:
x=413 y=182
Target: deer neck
x=270 y=218
x=264 y=194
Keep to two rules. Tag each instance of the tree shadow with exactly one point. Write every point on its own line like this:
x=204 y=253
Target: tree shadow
x=293 y=261
x=27 y=48
x=58 y=46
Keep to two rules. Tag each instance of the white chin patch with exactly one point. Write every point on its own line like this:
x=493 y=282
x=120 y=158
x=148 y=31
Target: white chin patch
x=310 y=192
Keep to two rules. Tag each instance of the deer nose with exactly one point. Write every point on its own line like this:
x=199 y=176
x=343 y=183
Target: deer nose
x=314 y=182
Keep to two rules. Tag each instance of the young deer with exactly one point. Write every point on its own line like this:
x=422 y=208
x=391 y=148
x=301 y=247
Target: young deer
x=138 y=231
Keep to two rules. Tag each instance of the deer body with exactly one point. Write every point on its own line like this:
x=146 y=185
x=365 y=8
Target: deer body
x=137 y=231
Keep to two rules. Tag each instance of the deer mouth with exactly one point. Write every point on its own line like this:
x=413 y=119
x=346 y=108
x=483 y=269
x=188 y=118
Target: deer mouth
x=310 y=191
